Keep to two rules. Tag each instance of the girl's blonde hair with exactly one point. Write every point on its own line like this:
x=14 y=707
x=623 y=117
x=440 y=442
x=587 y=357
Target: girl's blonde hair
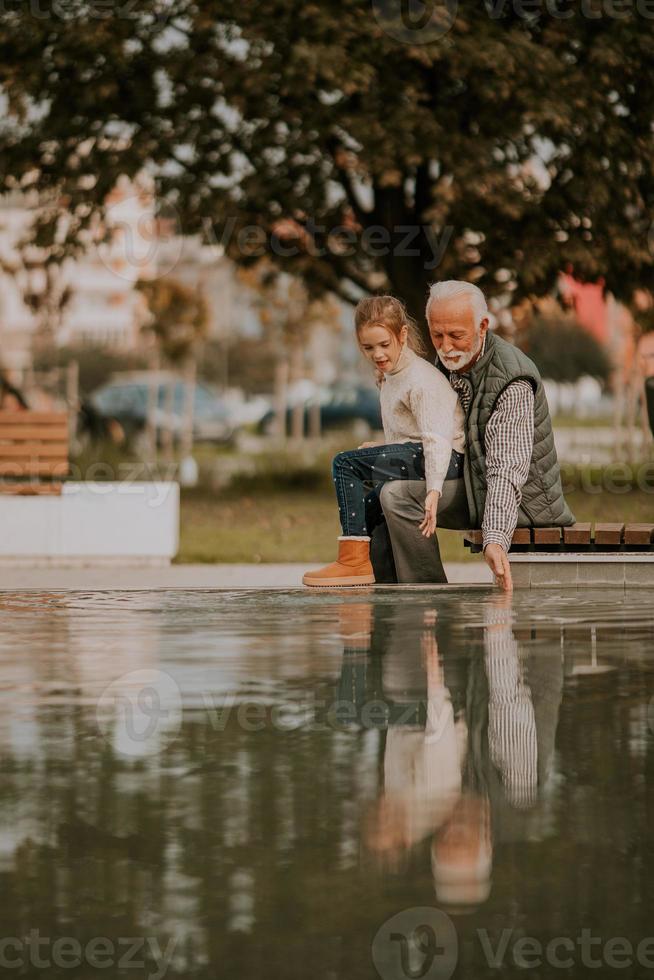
x=388 y=312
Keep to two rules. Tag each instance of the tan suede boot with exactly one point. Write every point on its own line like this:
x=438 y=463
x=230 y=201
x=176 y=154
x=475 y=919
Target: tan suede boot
x=352 y=567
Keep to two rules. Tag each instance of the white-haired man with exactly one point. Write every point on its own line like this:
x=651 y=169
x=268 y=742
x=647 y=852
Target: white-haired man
x=511 y=473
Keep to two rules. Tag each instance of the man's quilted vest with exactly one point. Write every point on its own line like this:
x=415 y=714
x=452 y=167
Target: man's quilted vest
x=543 y=502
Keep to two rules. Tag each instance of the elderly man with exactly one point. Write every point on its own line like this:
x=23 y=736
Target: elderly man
x=511 y=473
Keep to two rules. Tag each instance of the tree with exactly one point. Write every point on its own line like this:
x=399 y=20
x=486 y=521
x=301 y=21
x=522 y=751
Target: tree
x=562 y=350
x=289 y=314
x=178 y=317
x=179 y=321
x=250 y=359
x=96 y=363
x=359 y=151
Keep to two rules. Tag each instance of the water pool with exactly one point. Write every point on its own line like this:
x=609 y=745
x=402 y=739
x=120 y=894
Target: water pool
x=326 y=785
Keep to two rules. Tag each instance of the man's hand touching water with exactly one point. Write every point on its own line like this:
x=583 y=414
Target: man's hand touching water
x=498 y=562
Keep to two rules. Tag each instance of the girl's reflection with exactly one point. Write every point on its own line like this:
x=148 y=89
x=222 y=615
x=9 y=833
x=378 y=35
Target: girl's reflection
x=422 y=762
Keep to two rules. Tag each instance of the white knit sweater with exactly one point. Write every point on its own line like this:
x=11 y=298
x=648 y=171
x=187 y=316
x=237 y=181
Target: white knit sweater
x=419 y=405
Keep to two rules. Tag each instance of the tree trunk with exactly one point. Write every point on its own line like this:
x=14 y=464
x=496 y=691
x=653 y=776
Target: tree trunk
x=281 y=396
x=297 y=412
x=167 y=430
x=150 y=423
x=413 y=260
x=72 y=398
x=188 y=410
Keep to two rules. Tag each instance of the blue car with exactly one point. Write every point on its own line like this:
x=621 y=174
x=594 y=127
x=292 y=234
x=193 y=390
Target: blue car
x=125 y=400
x=341 y=407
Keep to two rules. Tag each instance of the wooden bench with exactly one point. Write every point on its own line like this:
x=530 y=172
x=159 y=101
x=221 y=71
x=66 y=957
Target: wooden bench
x=578 y=538
x=33 y=452
x=49 y=519
x=604 y=556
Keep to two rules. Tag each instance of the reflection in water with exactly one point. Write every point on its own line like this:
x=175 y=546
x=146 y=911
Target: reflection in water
x=314 y=765
x=472 y=751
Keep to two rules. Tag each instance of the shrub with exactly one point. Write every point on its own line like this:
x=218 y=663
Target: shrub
x=563 y=351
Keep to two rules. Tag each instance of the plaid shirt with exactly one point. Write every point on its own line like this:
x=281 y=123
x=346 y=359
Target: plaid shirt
x=509 y=444
x=512 y=737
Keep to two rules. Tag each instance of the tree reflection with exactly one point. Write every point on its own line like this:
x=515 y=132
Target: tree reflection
x=429 y=748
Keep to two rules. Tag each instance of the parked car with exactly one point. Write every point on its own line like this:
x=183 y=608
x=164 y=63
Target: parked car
x=341 y=406
x=125 y=400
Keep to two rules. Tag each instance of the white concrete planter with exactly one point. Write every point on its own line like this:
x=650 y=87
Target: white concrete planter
x=122 y=521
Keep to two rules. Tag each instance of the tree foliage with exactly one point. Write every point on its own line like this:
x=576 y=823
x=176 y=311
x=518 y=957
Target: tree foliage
x=178 y=316
x=96 y=364
x=563 y=350
x=499 y=149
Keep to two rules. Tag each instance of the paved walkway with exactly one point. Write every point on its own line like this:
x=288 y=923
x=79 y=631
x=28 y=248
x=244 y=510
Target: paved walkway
x=97 y=578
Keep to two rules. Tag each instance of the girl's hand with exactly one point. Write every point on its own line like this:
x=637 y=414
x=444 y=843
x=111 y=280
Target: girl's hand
x=369 y=445
x=428 y=525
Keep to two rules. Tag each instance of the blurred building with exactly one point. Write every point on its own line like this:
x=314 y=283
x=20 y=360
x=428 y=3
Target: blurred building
x=588 y=300
x=17 y=323
x=104 y=308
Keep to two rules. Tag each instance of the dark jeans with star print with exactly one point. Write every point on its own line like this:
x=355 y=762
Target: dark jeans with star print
x=359 y=475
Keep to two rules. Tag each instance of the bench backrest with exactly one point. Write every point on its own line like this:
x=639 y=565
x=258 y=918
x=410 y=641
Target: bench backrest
x=33 y=451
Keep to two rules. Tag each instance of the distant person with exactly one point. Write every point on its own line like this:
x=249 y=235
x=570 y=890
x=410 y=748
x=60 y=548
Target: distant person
x=423 y=439
x=645 y=361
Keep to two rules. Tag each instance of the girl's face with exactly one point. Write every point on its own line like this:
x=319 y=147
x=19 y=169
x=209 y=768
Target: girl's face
x=381 y=346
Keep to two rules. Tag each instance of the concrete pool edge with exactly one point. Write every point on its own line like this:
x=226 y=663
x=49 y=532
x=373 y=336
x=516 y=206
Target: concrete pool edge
x=569 y=572
x=221 y=577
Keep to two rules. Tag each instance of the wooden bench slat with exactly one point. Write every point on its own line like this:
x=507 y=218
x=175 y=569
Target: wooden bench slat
x=605 y=534
x=33 y=445
x=48 y=467
x=577 y=533
x=36 y=449
x=521 y=536
x=608 y=533
x=638 y=533
x=30 y=489
x=547 y=535
x=33 y=418
x=21 y=433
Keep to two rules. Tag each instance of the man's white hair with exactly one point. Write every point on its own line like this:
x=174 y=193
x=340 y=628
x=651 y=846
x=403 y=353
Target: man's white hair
x=450 y=288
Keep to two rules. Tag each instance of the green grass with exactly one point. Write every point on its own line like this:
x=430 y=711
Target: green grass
x=286 y=511
x=267 y=518
x=571 y=421
x=295 y=526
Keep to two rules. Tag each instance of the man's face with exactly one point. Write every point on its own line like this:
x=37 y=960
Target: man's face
x=454 y=333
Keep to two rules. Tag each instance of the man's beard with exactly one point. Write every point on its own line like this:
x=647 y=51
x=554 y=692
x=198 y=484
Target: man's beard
x=461 y=360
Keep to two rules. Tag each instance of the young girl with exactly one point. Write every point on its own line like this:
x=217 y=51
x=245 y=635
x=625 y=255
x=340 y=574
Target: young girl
x=423 y=432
